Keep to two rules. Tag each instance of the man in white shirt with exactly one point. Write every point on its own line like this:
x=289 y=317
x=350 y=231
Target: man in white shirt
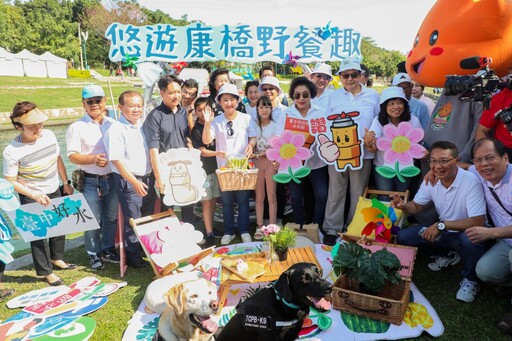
x=131 y=168
x=85 y=148
x=458 y=199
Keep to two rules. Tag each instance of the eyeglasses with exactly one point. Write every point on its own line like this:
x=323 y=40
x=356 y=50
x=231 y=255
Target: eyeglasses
x=94 y=101
x=305 y=95
x=405 y=86
x=488 y=158
x=132 y=107
x=188 y=94
x=322 y=76
x=442 y=162
x=351 y=75
x=268 y=89
x=230 y=131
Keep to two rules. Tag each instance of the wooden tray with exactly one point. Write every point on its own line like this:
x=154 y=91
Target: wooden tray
x=276 y=268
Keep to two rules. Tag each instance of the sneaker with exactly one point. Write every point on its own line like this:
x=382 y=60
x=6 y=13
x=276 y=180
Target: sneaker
x=96 y=263
x=246 y=237
x=137 y=263
x=209 y=241
x=330 y=239
x=110 y=255
x=452 y=258
x=468 y=291
x=506 y=323
x=226 y=239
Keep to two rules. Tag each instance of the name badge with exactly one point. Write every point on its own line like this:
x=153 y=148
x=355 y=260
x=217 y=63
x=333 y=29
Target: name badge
x=257 y=321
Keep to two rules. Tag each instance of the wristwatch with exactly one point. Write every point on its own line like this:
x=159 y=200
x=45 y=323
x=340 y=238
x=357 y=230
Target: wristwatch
x=441 y=226
x=69 y=182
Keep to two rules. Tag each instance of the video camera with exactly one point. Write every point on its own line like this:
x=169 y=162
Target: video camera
x=478 y=87
x=505 y=116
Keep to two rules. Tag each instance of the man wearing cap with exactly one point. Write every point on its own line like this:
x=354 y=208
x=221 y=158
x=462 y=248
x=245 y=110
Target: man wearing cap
x=353 y=96
x=167 y=127
x=32 y=163
x=268 y=71
x=131 y=169
x=85 y=148
x=321 y=76
x=418 y=108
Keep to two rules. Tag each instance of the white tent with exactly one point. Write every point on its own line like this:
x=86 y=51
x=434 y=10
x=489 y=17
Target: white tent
x=26 y=63
x=10 y=65
x=32 y=64
x=56 y=67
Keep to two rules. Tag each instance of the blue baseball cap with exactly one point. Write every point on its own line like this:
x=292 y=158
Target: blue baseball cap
x=8 y=201
x=90 y=91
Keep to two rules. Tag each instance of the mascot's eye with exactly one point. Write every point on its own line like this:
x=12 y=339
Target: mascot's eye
x=417 y=40
x=194 y=296
x=433 y=38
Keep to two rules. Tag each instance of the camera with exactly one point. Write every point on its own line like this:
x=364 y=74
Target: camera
x=474 y=88
x=505 y=116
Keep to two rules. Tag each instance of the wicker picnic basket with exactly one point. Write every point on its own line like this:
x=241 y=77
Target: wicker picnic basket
x=236 y=179
x=392 y=303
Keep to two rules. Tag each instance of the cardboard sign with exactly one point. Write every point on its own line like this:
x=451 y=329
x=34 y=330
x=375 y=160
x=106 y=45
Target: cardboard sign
x=79 y=330
x=240 y=43
x=64 y=215
x=184 y=177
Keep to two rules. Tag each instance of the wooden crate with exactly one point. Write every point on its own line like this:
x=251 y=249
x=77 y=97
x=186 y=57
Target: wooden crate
x=391 y=304
x=309 y=231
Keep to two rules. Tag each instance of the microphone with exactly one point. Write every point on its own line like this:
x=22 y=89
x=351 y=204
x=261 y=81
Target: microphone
x=470 y=63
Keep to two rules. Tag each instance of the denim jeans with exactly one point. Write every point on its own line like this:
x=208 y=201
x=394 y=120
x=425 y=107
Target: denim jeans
x=320 y=182
x=458 y=241
x=241 y=198
x=102 y=198
x=133 y=206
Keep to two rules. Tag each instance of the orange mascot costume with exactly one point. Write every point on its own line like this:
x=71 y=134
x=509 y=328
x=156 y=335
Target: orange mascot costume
x=455 y=34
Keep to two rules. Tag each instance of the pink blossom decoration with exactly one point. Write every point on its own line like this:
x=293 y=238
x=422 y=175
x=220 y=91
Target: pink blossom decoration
x=288 y=150
x=270 y=229
x=401 y=143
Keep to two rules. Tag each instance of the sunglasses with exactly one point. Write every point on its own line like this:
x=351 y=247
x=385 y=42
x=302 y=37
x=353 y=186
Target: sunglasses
x=94 y=101
x=230 y=131
x=298 y=95
x=351 y=75
x=268 y=89
x=322 y=76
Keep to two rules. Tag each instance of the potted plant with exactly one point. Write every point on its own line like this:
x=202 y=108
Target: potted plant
x=280 y=240
x=370 y=270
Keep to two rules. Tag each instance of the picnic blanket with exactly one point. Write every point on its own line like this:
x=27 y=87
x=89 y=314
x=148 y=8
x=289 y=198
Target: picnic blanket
x=332 y=325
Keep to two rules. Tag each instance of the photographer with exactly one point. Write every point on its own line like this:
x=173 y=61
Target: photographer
x=489 y=121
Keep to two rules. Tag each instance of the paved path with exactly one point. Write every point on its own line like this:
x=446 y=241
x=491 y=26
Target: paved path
x=27 y=259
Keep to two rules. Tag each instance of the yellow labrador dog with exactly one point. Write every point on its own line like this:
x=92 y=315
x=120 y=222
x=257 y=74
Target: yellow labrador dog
x=187 y=316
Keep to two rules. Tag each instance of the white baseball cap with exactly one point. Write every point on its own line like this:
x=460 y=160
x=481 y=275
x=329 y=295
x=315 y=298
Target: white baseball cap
x=349 y=64
x=392 y=92
x=271 y=81
x=326 y=69
x=8 y=201
x=228 y=88
x=400 y=78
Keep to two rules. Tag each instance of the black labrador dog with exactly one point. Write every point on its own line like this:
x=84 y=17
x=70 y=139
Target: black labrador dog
x=277 y=311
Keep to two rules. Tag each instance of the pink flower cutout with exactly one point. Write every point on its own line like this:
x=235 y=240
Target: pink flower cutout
x=400 y=143
x=288 y=150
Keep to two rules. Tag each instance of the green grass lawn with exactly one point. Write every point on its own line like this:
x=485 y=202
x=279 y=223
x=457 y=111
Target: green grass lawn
x=462 y=321
x=52 y=93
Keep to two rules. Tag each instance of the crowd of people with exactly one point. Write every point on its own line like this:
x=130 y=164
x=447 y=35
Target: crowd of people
x=466 y=169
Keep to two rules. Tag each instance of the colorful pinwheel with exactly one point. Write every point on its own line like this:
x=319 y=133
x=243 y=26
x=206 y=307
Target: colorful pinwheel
x=326 y=31
x=379 y=219
x=290 y=59
x=129 y=62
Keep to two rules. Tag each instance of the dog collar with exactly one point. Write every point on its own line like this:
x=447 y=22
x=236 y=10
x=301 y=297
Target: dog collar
x=288 y=304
